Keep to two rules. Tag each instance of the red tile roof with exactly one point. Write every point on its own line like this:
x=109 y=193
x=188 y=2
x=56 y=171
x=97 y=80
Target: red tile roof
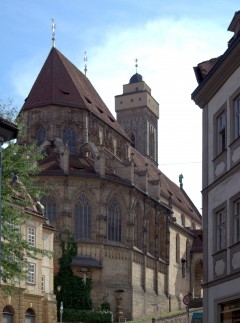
x=61 y=83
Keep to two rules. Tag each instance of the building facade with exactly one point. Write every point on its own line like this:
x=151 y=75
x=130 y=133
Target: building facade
x=218 y=95
x=134 y=227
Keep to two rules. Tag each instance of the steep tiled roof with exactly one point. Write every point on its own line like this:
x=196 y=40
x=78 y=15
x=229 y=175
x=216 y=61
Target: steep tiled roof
x=179 y=197
x=61 y=83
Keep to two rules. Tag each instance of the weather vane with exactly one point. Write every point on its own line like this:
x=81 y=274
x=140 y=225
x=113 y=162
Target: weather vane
x=53 y=33
x=136 y=64
x=85 y=59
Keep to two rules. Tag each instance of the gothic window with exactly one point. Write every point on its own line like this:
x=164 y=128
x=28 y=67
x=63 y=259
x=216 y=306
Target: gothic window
x=162 y=249
x=114 y=221
x=49 y=208
x=187 y=253
x=151 y=234
x=83 y=218
x=30 y=316
x=138 y=229
x=7 y=314
x=68 y=137
x=183 y=220
x=177 y=248
x=40 y=135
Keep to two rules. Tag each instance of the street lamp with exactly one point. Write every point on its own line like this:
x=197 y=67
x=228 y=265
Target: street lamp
x=61 y=304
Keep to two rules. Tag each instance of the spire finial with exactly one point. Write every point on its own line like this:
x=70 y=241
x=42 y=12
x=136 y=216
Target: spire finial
x=53 y=33
x=85 y=59
x=136 y=64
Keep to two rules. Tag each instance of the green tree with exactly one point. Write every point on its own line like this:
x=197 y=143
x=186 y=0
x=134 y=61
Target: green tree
x=20 y=192
x=74 y=293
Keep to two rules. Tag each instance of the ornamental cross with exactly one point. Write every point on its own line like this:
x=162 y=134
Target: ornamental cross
x=53 y=33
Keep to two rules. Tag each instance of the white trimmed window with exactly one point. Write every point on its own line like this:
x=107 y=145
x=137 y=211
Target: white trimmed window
x=31 y=273
x=236 y=220
x=221 y=229
x=221 y=132
x=31 y=236
x=237 y=117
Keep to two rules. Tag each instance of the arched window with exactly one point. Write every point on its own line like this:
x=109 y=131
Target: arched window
x=49 y=208
x=138 y=228
x=114 y=221
x=83 y=218
x=177 y=248
x=29 y=316
x=68 y=137
x=163 y=242
x=151 y=234
x=7 y=314
x=40 y=135
x=187 y=253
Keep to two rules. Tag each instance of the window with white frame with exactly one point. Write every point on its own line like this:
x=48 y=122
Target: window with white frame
x=236 y=220
x=31 y=273
x=237 y=117
x=31 y=236
x=221 y=132
x=220 y=229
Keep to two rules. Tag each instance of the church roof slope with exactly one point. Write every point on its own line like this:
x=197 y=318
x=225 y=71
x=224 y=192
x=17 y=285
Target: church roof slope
x=62 y=83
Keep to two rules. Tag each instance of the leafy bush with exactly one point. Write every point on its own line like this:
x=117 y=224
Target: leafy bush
x=105 y=307
x=74 y=315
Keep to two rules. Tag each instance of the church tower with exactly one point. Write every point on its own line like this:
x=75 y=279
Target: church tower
x=138 y=113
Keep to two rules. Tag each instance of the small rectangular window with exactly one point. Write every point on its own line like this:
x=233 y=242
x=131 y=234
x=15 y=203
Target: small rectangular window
x=31 y=236
x=31 y=273
x=221 y=132
x=236 y=220
x=221 y=229
x=237 y=118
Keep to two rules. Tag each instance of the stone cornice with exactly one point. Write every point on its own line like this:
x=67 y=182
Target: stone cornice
x=220 y=73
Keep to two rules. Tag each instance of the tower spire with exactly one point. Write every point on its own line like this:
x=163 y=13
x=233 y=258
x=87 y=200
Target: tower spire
x=85 y=59
x=136 y=64
x=53 y=33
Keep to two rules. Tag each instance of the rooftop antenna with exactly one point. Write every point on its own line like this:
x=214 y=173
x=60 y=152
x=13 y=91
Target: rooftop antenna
x=136 y=64
x=53 y=33
x=85 y=59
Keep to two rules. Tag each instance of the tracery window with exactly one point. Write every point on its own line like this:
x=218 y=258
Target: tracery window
x=114 y=221
x=68 y=137
x=177 y=248
x=138 y=229
x=83 y=218
x=40 y=135
x=49 y=208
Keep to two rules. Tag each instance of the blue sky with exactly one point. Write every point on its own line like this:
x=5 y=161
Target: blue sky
x=167 y=37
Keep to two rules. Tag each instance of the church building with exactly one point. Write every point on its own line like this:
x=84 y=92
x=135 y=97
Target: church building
x=138 y=234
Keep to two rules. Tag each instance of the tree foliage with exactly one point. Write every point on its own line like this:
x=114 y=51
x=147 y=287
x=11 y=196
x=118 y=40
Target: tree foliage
x=20 y=193
x=74 y=293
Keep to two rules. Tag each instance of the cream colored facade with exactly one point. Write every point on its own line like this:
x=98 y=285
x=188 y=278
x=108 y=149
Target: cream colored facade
x=218 y=96
x=33 y=300
x=133 y=226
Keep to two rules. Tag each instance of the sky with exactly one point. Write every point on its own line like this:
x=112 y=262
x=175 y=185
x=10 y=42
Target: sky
x=168 y=38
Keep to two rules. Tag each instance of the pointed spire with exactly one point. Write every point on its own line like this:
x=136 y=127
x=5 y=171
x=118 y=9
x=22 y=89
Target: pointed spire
x=85 y=59
x=136 y=64
x=53 y=33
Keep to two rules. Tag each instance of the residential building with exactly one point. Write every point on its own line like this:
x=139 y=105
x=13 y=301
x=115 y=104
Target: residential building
x=218 y=95
x=133 y=226
x=31 y=300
